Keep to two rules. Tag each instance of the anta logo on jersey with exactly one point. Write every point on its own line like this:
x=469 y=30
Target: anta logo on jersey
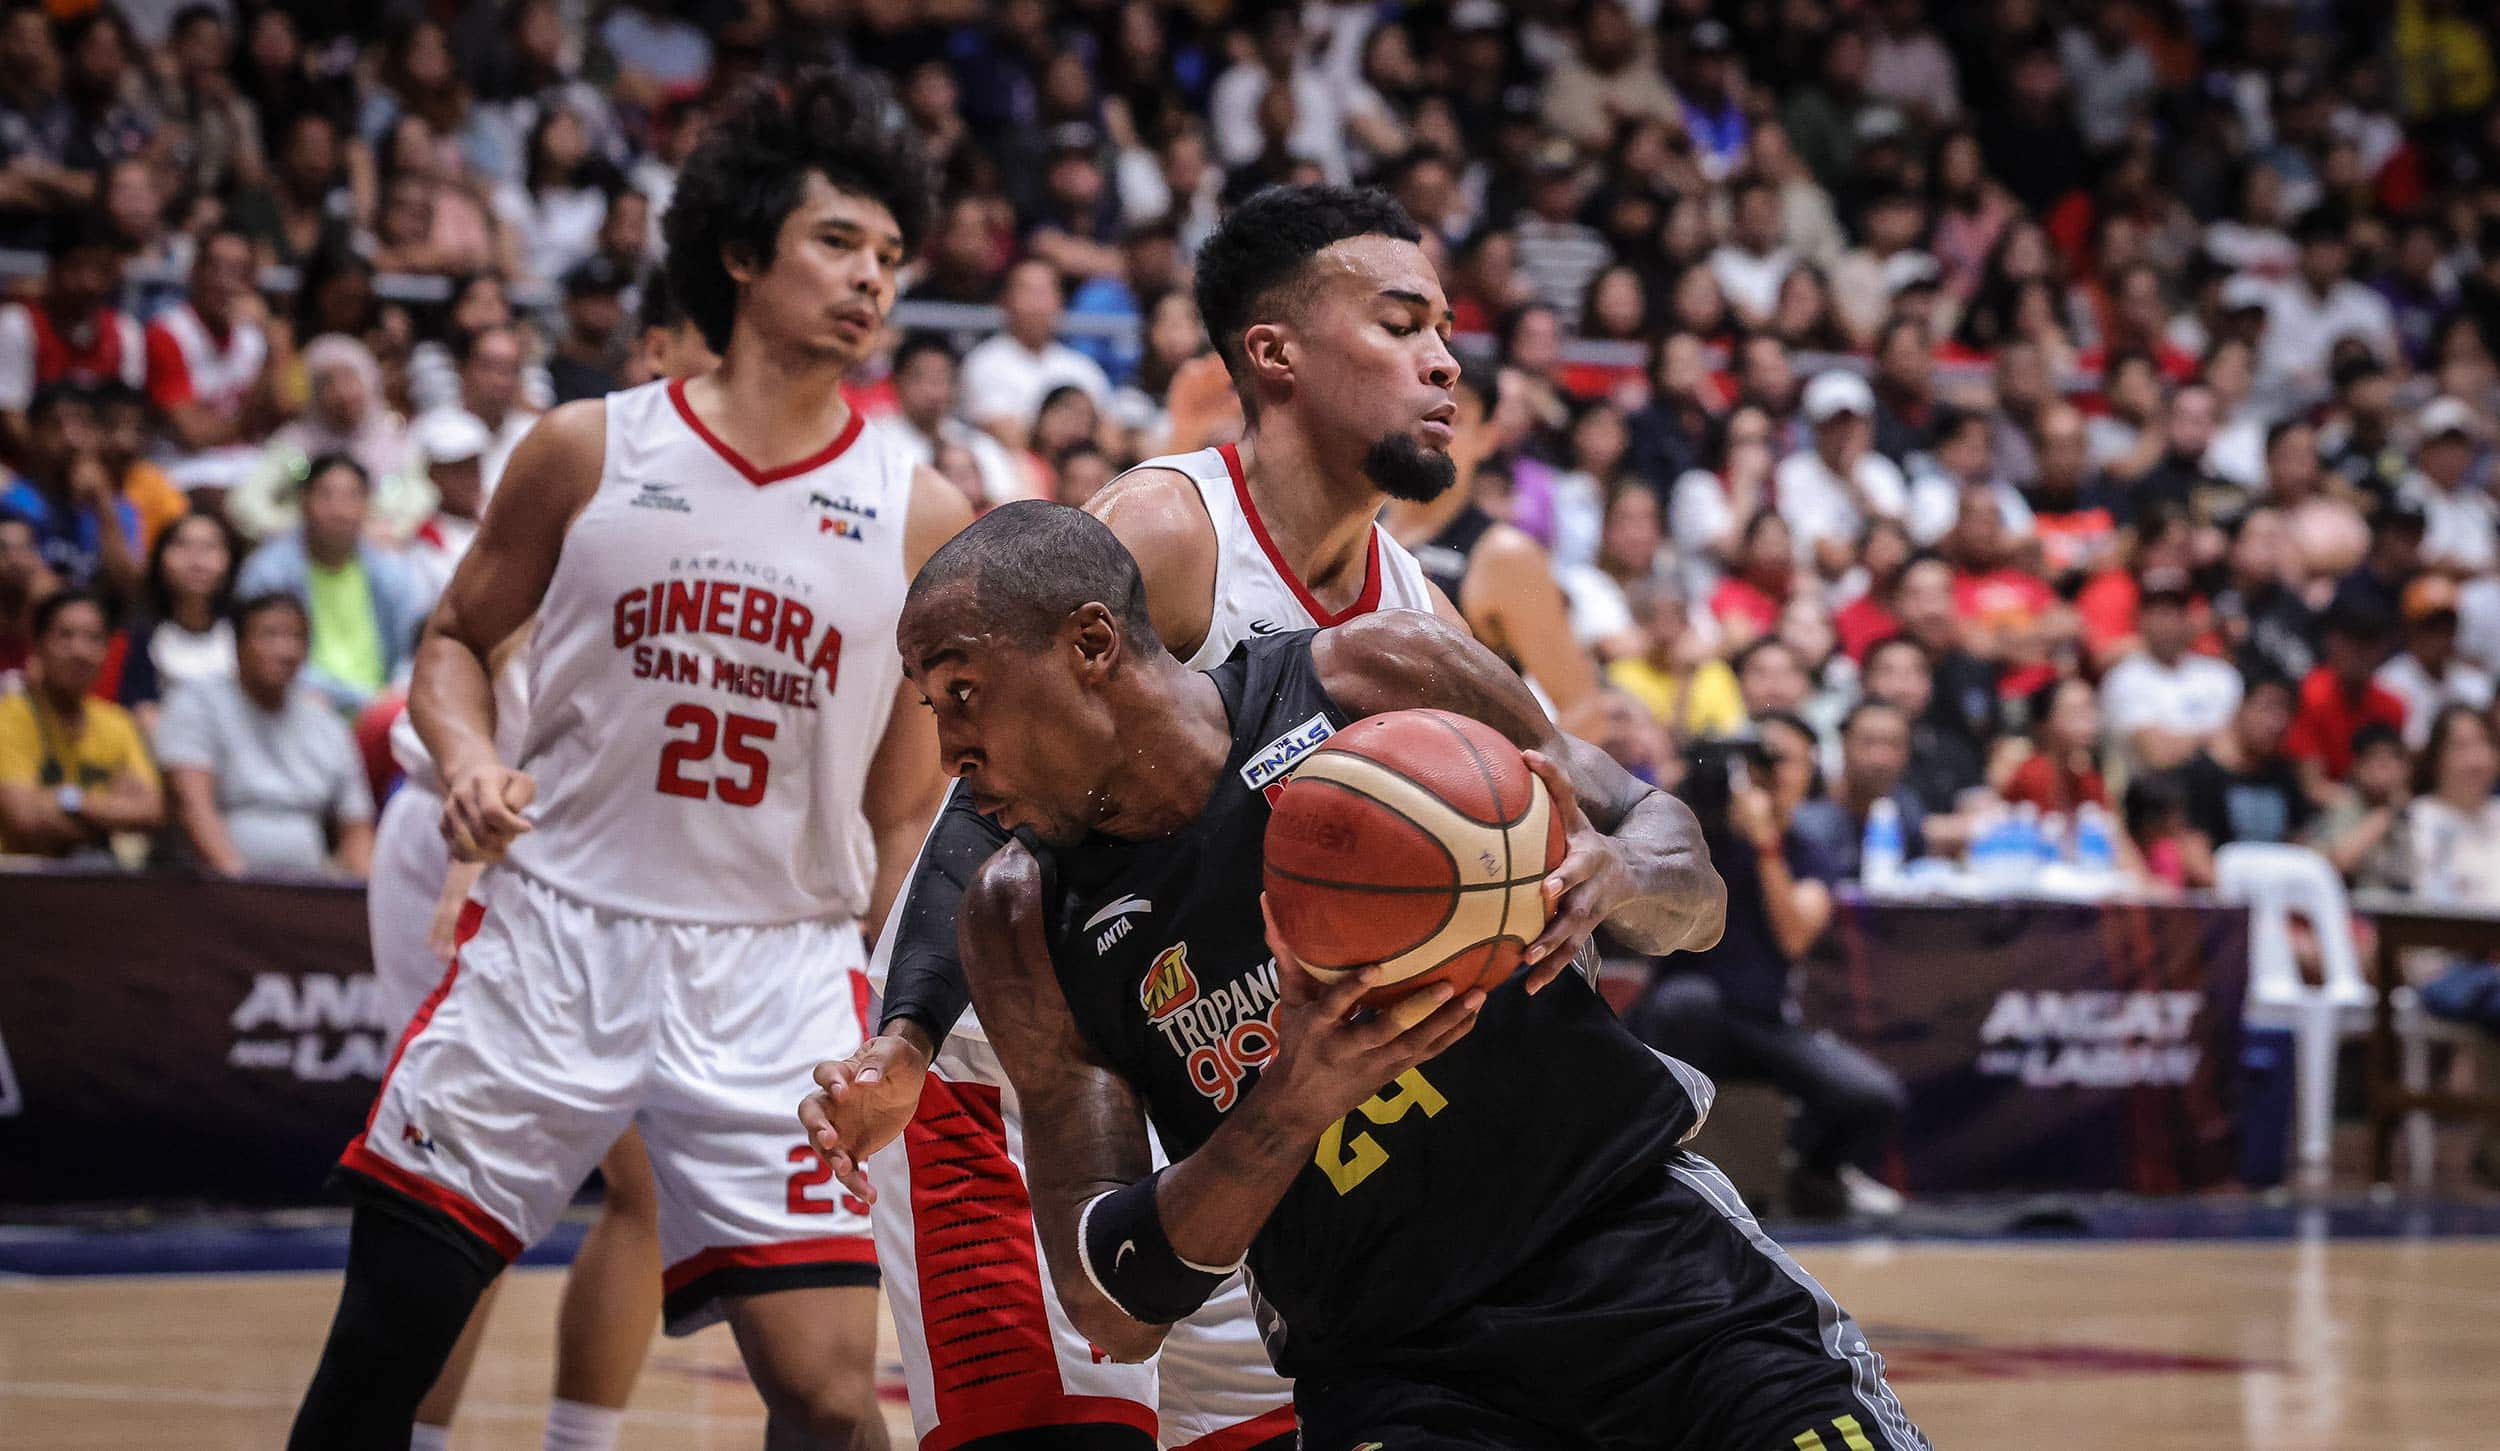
x=1122 y=915
x=854 y=528
x=1222 y=1035
x=1275 y=759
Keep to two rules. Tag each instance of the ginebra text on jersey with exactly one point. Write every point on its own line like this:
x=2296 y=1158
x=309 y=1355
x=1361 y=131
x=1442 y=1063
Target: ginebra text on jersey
x=726 y=608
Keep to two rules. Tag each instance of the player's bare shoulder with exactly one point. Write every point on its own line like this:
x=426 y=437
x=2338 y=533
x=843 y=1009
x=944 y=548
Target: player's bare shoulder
x=556 y=466
x=1162 y=518
x=939 y=511
x=1394 y=659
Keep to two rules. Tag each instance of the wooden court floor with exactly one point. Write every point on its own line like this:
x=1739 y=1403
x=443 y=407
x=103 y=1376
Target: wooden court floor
x=2277 y=1346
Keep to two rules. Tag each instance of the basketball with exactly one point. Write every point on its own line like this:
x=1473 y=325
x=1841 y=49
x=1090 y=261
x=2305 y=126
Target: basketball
x=1416 y=840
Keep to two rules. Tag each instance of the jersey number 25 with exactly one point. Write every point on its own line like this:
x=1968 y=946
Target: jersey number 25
x=733 y=737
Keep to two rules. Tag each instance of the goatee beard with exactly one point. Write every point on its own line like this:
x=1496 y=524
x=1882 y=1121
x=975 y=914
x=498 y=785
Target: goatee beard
x=1404 y=469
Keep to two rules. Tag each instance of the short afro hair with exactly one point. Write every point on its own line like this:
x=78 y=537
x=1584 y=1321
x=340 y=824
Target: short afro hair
x=1033 y=563
x=1263 y=244
x=742 y=180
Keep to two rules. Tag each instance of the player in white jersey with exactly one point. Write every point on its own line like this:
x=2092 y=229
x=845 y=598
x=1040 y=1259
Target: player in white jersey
x=612 y=1292
x=1335 y=330
x=714 y=789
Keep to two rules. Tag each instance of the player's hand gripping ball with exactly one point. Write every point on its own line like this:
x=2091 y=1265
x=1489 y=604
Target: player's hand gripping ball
x=1418 y=840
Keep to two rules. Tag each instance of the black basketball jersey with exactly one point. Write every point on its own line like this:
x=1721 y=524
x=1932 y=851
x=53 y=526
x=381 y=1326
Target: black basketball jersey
x=1446 y=555
x=1441 y=1184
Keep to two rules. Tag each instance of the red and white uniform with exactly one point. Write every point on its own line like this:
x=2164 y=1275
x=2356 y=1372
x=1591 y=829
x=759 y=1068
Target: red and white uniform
x=190 y=362
x=36 y=349
x=675 y=943
x=1212 y=1388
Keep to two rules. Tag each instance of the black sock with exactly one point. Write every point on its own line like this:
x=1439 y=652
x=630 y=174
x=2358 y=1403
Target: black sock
x=410 y=1287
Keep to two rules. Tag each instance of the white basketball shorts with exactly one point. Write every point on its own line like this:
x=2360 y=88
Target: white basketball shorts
x=410 y=863
x=986 y=1347
x=558 y=1024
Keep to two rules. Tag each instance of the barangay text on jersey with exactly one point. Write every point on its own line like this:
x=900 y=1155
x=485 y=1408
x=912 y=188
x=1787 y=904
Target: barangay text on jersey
x=754 y=603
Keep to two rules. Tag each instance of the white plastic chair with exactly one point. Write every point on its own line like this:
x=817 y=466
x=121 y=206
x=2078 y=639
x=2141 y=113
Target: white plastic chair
x=2276 y=882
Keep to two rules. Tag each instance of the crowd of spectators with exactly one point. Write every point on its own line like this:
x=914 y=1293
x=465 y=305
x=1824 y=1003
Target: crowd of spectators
x=2082 y=405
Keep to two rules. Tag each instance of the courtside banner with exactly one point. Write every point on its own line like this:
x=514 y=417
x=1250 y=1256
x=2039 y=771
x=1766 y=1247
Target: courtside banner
x=2046 y=1045
x=163 y=1037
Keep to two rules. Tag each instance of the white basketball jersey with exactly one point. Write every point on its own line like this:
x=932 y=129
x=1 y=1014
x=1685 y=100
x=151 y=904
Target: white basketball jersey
x=712 y=673
x=1256 y=592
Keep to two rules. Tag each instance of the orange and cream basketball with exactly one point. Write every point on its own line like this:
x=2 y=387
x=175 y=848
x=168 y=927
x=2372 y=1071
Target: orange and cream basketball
x=1416 y=840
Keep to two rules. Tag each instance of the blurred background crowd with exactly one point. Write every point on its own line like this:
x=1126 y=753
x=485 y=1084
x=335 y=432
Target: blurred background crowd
x=2074 y=413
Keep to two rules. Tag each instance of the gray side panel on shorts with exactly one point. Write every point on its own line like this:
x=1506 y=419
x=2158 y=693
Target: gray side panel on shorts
x=1842 y=1339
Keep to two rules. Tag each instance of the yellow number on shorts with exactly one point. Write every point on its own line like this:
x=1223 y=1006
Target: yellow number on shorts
x=1348 y=1162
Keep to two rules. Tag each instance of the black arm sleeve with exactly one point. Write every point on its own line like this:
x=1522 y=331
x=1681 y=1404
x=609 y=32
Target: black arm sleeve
x=925 y=979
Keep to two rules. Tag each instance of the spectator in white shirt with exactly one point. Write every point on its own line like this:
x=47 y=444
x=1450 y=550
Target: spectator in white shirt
x=1829 y=491
x=2427 y=674
x=2309 y=313
x=1319 y=132
x=1753 y=264
x=2164 y=702
x=2460 y=518
x=1007 y=376
x=261 y=770
x=2111 y=75
x=923 y=420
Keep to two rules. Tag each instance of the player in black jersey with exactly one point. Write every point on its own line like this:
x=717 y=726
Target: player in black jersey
x=1473 y=1231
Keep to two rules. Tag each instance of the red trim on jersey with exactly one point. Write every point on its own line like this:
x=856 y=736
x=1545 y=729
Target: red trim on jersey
x=738 y=461
x=1030 y=1412
x=1255 y=1432
x=1364 y=603
x=434 y=1196
x=170 y=384
x=981 y=1306
x=859 y=1003
x=472 y=917
x=425 y=1191
x=838 y=1249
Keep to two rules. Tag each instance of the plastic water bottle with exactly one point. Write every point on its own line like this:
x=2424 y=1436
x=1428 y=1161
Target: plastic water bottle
x=1879 y=869
x=2054 y=841
x=2025 y=850
x=2094 y=850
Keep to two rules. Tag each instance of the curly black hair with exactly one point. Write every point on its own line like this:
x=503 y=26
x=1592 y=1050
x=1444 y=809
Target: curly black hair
x=1262 y=245
x=742 y=180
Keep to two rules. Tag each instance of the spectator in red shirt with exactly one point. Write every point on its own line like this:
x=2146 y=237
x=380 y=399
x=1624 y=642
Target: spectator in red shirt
x=1748 y=602
x=72 y=333
x=1884 y=550
x=2008 y=615
x=2062 y=771
x=2339 y=697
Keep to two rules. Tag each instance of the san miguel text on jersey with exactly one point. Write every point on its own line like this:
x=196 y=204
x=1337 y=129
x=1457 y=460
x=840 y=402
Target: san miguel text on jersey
x=679 y=608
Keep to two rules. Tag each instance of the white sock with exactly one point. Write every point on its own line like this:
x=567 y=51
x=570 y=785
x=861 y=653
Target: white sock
x=429 y=1438
x=581 y=1426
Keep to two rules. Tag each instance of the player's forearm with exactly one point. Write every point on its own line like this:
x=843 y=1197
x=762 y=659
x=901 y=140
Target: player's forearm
x=1215 y=1201
x=34 y=822
x=1678 y=902
x=451 y=697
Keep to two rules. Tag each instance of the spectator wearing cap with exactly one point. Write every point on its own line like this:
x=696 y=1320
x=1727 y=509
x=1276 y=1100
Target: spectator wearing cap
x=1828 y=492
x=589 y=357
x=2319 y=305
x=2460 y=520
x=451 y=448
x=2426 y=673
x=2341 y=696
x=2165 y=701
x=1610 y=79
x=73 y=771
x=1006 y=378
x=364 y=606
x=87 y=532
x=263 y=774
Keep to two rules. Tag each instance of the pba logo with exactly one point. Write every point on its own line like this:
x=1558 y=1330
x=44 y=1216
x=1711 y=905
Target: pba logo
x=410 y=1133
x=854 y=528
x=1169 y=986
